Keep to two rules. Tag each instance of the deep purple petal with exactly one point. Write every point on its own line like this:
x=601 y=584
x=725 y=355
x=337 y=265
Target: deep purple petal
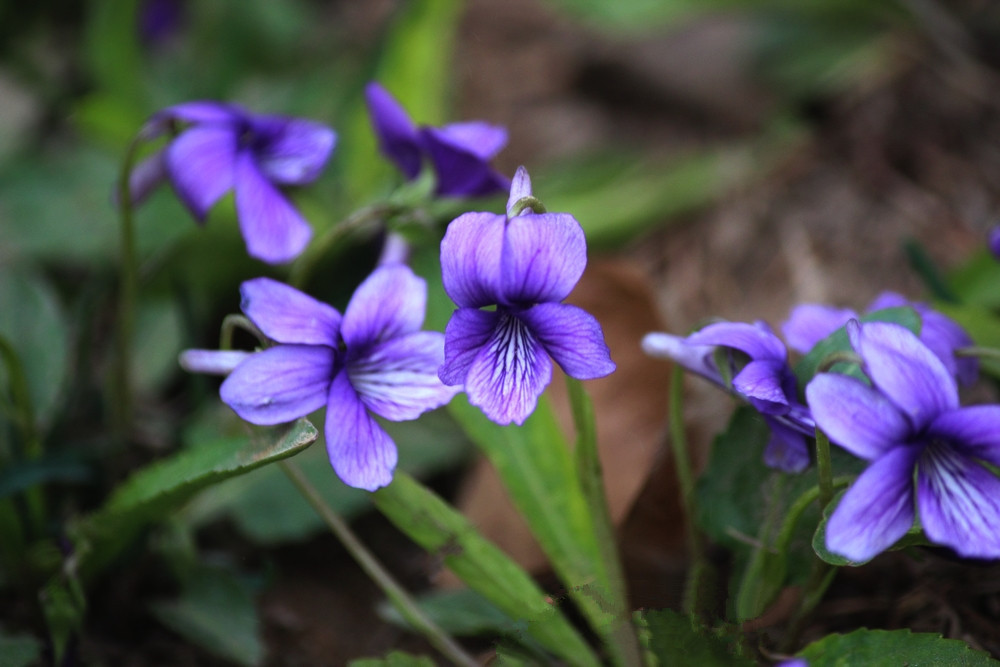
x=543 y=258
x=146 y=177
x=520 y=188
x=280 y=384
x=273 y=230
x=972 y=430
x=397 y=135
x=460 y=172
x=855 y=416
x=905 y=370
x=959 y=502
x=694 y=358
x=993 y=241
x=469 y=330
x=470 y=259
x=481 y=139
x=877 y=510
x=398 y=379
x=201 y=163
x=390 y=302
x=291 y=151
x=573 y=337
x=809 y=323
x=197 y=112
x=755 y=341
x=286 y=315
x=787 y=449
x=361 y=452
x=509 y=373
x=212 y=362
x=761 y=383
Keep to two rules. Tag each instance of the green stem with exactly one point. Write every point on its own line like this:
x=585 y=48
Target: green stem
x=303 y=267
x=231 y=323
x=824 y=469
x=127 y=292
x=980 y=352
x=685 y=477
x=626 y=643
x=405 y=604
x=24 y=417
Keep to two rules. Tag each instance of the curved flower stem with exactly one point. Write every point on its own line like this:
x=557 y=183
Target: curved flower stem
x=824 y=468
x=685 y=477
x=980 y=352
x=405 y=604
x=127 y=291
x=304 y=266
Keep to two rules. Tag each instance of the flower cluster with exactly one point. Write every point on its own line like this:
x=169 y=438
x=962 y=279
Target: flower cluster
x=509 y=274
x=222 y=148
x=921 y=444
x=764 y=380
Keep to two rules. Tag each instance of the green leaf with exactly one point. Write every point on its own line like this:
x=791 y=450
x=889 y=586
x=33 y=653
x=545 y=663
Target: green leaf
x=460 y=612
x=394 y=659
x=34 y=325
x=150 y=493
x=268 y=508
x=157 y=342
x=215 y=610
x=892 y=647
x=435 y=526
x=975 y=282
x=837 y=342
x=20 y=650
x=675 y=641
x=64 y=606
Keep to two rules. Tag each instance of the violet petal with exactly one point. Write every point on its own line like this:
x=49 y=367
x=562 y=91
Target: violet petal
x=286 y=315
x=201 y=163
x=761 y=382
x=390 y=302
x=361 y=452
x=694 y=358
x=291 y=151
x=460 y=173
x=877 y=510
x=470 y=259
x=543 y=258
x=280 y=384
x=751 y=339
x=572 y=336
x=397 y=135
x=476 y=137
x=809 y=323
x=855 y=416
x=520 y=187
x=973 y=430
x=787 y=449
x=212 y=362
x=146 y=177
x=273 y=230
x=509 y=373
x=468 y=331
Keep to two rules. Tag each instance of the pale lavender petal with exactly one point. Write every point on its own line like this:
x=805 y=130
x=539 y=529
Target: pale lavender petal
x=146 y=177
x=397 y=135
x=398 y=379
x=460 y=172
x=389 y=303
x=972 y=430
x=273 y=230
x=469 y=330
x=361 y=452
x=573 y=337
x=286 y=315
x=959 y=502
x=280 y=384
x=761 y=383
x=695 y=358
x=855 y=416
x=201 y=163
x=212 y=362
x=509 y=373
x=755 y=341
x=520 y=188
x=787 y=449
x=905 y=370
x=470 y=259
x=809 y=323
x=481 y=139
x=543 y=258
x=877 y=510
x=291 y=151
x=395 y=249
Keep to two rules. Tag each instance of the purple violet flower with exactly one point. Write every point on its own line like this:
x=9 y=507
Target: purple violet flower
x=523 y=265
x=909 y=420
x=460 y=152
x=766 y=381
x=374 y=359
x=993 y=242
x=225 y=147
x=809 y=323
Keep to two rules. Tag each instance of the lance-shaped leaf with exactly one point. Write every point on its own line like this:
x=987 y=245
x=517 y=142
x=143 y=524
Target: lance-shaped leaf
x=892 y=647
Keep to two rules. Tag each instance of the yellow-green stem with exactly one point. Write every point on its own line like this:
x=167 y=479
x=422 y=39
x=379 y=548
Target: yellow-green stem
x=402 y=600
